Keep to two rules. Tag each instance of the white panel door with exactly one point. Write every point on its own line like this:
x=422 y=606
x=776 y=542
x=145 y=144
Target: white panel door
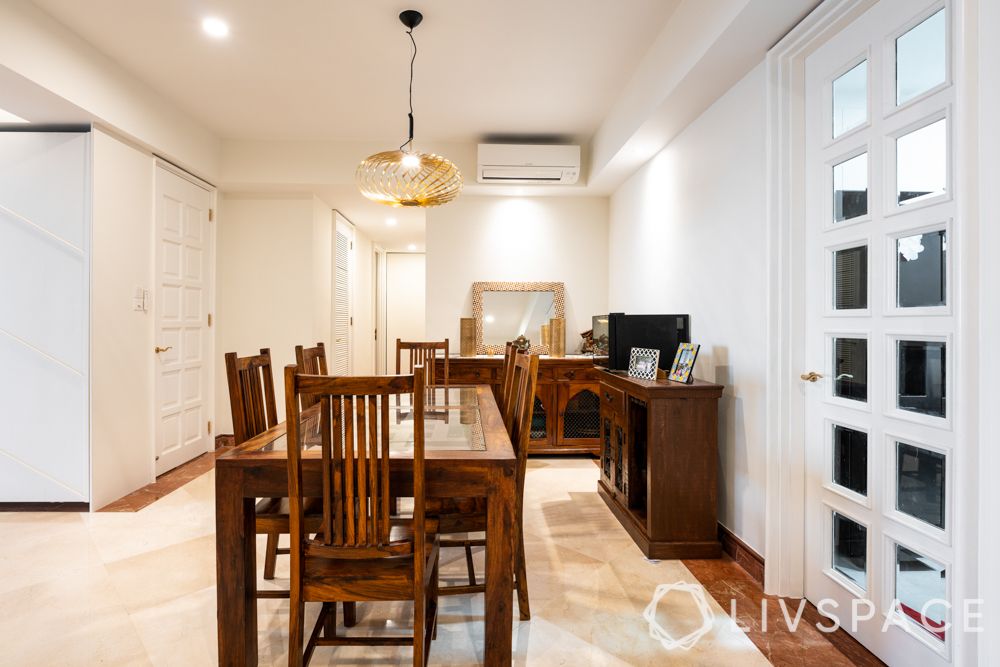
x=183 y=296
x=405 y=301
x=343 y=290
x=880 y=420
x=45 y=316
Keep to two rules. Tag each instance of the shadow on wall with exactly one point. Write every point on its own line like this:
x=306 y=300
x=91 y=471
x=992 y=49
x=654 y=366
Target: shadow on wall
x=733 y=464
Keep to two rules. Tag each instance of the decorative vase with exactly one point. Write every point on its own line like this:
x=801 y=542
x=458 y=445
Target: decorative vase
x=546 y=336
x=557 y=337
x=467 y=345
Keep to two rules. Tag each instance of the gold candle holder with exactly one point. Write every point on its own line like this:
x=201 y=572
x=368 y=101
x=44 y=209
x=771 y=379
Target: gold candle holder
x=467 y=344
x=546 y=336
x=557 y=337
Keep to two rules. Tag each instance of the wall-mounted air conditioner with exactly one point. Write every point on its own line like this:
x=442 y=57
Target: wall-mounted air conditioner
x=528 y=164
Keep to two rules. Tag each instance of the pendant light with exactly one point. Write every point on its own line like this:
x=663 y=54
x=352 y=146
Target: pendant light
x=405 y=177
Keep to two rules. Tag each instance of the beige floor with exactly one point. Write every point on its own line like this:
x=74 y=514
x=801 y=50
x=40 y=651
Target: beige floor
x=138 y=589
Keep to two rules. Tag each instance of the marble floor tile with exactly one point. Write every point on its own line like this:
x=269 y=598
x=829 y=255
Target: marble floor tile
x=138 y=588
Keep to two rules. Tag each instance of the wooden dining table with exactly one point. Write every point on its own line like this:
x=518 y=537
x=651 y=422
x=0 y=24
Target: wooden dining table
x=467 y=454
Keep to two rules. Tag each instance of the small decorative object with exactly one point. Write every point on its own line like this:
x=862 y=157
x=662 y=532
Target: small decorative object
x=522 y=344
x=405 y=177
x=468 y=337
x=546 y=336
x=642 y=363
x=684 y=360
x=588 y=342
x=557 y=332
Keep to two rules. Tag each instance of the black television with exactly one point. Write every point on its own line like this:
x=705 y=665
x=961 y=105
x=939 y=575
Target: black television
x=658 y=332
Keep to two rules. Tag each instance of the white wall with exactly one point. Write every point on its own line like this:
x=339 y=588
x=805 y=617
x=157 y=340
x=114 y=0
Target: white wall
x=45 y=317
x=687 y=235
x=272 y=251
x=364 y=311
x=122 y=339
x=475 y=238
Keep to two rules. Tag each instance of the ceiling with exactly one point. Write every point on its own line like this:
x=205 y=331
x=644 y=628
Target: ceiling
x=337 y=70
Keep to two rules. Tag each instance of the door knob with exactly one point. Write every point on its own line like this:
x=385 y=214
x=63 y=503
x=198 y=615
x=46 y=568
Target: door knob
x=811 y=376
x=159 y=349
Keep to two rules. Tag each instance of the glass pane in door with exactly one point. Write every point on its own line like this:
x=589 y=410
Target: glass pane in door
x=922 y=163
x=921 y=590
x=850 y=459
x=850 y=188
x=921 y=377
x=920 y=483
x=920 y=270
x=850 y=99
x=921 y=58
x=850 y=367
x=850 y=278
x=850 y=549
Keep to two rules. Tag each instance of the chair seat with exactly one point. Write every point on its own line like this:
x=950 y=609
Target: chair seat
x=367 y=579
x=272 y=513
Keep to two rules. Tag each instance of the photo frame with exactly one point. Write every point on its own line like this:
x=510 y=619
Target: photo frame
x=643 y=362
x=687 y=354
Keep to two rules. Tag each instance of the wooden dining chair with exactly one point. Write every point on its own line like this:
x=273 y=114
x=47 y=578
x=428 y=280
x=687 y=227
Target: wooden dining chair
x=506 y=380
x=358 y=553
x=310 y=361
x=423 y=354
x=251 y=399
x=468 y=515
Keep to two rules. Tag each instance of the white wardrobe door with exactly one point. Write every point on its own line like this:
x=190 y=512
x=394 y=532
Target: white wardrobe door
x=44 y=320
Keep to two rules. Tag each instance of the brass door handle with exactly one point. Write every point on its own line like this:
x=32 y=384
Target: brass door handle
x=811 y=376
x=159 y=349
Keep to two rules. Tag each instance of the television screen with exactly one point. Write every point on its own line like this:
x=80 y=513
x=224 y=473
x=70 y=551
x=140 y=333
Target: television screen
x=658 y=332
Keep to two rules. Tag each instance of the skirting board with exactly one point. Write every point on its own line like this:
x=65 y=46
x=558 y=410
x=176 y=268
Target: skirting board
x=739 y=551
x=44 y=507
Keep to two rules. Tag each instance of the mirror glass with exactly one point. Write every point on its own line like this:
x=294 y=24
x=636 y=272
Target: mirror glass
x=507 y=315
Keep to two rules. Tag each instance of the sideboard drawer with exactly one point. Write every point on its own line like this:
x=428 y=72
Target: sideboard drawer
x=576 y=374
x=465 y=374
x=613 y=399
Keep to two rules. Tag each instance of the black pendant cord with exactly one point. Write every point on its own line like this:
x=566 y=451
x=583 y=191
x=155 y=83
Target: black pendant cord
x=409 y=142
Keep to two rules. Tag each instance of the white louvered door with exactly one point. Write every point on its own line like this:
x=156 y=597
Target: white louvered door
x=343 y=273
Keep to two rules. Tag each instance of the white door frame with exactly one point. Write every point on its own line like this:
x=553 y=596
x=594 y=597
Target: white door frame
x=980 y=321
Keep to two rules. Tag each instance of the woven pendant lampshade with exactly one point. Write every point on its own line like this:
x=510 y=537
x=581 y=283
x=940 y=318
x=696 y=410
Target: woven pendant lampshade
x=386 y=179
x=404 y=177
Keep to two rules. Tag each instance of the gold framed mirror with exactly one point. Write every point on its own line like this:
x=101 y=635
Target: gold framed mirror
x=506 y=310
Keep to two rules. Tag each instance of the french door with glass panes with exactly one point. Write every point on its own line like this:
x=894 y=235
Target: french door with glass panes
x=880 y=320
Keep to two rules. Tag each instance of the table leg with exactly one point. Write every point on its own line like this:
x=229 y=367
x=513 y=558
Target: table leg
x=236 y=576
x=499 y=566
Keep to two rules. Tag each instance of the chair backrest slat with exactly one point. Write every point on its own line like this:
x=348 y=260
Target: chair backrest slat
x=504 y=401
x=310 y=361
x=522 y=404
x=251 y=394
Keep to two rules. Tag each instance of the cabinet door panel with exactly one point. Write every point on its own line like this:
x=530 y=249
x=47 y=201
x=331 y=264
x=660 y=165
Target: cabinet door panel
x=543 y=418
x=579 y=414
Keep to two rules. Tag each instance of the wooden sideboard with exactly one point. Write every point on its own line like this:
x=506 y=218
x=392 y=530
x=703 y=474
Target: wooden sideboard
x=659 y=463
x=566 y=418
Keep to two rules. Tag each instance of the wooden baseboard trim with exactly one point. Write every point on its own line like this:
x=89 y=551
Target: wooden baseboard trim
x=739 y=551
x=44 y=507
x=225 y=440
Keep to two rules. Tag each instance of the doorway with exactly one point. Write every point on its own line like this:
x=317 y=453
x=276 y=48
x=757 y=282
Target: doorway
x=405 y=293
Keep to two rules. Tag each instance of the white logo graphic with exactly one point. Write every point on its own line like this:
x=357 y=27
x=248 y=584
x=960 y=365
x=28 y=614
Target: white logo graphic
x=656 y=631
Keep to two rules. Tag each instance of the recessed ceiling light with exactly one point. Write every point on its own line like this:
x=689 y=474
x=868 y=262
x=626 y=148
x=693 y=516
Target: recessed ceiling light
x=391 y=222
x=215 y=27
x=411 y=247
